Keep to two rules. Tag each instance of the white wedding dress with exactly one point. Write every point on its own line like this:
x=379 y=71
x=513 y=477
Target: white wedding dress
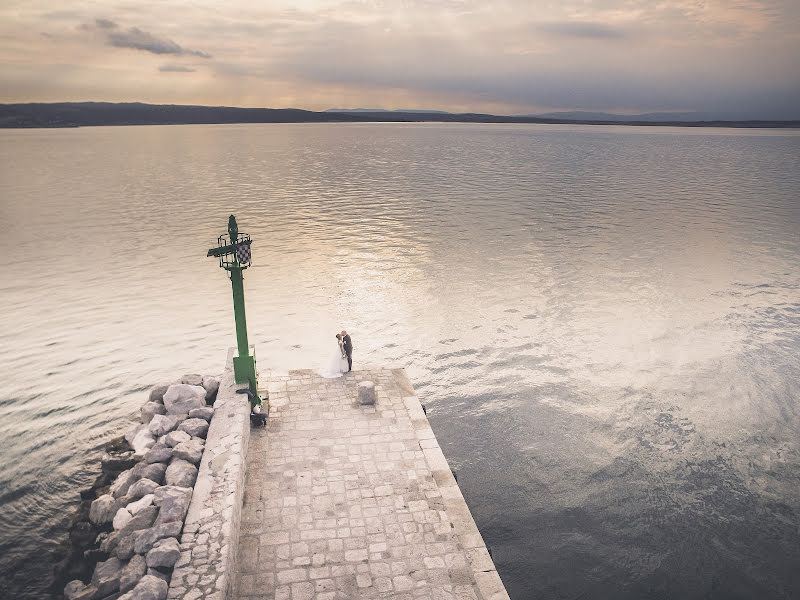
x=337 y=365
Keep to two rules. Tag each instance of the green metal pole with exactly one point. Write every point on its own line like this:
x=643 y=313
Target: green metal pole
x=244 y=365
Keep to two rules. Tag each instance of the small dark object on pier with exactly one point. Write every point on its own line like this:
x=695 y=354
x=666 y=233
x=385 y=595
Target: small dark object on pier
x=455 y=474
x=425 y=409
x=257 y=418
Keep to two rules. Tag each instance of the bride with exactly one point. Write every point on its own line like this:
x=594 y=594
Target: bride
x=338 y=362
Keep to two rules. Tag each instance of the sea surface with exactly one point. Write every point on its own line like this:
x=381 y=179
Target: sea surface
x=604 y=322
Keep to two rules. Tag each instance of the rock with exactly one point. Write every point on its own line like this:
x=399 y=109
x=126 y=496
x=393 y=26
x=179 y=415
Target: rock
x=141 y=488
x=132 y=573
x=153 y=471
x=157 y=393
x=204 y=413
x=103 y=509
x=165 y=576
x=110 y=543
x=366 y=393
x=162 y=424
x=176 y=437
x=142 y=441
x=146 y=538
x=121 y=518
x=149 y=587
x=82 y=534
x=211 y=385
x=191 y=451
x=113 y=463
x=150 y=410
x=123 y=483
x=72 y=588
x=174 y=503
x=106 y=576
x=164 y=553
x=160 y=453
x=125 y=548
x=143 y=502
x=194 y=427
x=180 y=473
x=181 y=398
x=141 y=520
x=86 y=592
x=192 y=379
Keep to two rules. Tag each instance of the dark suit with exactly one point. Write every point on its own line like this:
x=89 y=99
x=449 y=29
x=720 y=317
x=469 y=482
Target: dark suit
x=348 y=349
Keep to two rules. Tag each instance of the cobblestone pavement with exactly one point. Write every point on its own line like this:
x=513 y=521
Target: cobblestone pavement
x=349 y=501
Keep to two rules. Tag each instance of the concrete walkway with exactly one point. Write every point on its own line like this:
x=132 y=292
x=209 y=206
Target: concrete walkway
x=346 y=501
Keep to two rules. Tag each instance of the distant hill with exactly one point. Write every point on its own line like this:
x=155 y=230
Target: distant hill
x=80 y=114
x=579 y=115
x=380 y=110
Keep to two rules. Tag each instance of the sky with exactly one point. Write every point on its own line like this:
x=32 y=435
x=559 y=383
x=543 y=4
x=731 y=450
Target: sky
x=728 y=58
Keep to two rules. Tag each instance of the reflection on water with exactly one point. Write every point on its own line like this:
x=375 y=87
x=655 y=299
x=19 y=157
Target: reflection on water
x=605 y=322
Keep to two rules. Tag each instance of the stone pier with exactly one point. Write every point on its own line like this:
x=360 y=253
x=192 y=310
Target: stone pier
x=344 y=500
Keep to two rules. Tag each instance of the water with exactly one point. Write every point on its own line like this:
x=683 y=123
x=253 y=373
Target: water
x=603 y=321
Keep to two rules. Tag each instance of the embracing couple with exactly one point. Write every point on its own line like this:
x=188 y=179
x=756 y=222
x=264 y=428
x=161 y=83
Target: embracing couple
x=342 y=360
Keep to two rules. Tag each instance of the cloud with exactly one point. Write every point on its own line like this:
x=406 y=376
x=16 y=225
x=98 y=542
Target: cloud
x=583 y=29
x=137 y=39
x=176 y=69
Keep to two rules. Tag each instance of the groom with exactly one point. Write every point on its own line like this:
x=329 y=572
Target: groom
x=348 y=349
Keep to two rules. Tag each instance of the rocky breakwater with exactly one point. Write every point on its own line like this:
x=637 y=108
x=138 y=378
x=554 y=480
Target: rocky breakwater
x=140 y=515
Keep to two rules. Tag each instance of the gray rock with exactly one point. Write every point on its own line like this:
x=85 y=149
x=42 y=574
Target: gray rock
x=157 y=393
x=192 y=379
x=159 y=453
x=106 y=576
x=121 y=518
x=73 y=587
x=123 y=483
x=142 y=441
x=176 y=437
x=103 y=509
x=153 y=471
x=191 y=451
x=211 y=385
x=194 y=427
x=141 y=488
x=150 y=410
x=141 y=520
x=109 y=544
x=173 y=502
x=157 y=573
x=143 y=502
x=132 y=573
x=162 y=424
x=204 y=413
x=82 y=592
x=149 y=587
x=181 y=398
x=164 y=553
x=146 y=538
x=113 y=463
x=180 y=473
x=125 y=547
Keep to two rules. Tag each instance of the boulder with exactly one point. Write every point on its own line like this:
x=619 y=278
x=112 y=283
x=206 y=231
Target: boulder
x=125 y=547
x=141 y=488
x=103 y=509
x=204 y=413
x=146 y=538
x=109 y=544
x=211 y=385
x=181 y=398
x=162 y=424
x=176 y=437
x=141 y=520
x=150 y=410
x=159 y=453
x=194 y=427
x=180 y=473
x=143 y=502
x=191 y=451
x=123 y=483
x=153 y=471
x=142 y=441
x=173 y=502
x=165 y=576
x=164 y=553
x=80 y=592
x=157 y=393
x=192 y=379
x=113 y=463
x=73 y=587
x=106 y=576
x=132 y=573
x=149 y=587
x=121 y=518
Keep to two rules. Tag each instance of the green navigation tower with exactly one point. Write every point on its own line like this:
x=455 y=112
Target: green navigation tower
x=233 y=252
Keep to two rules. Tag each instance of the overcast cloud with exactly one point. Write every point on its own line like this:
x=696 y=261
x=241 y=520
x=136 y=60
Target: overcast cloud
x=736 y=59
